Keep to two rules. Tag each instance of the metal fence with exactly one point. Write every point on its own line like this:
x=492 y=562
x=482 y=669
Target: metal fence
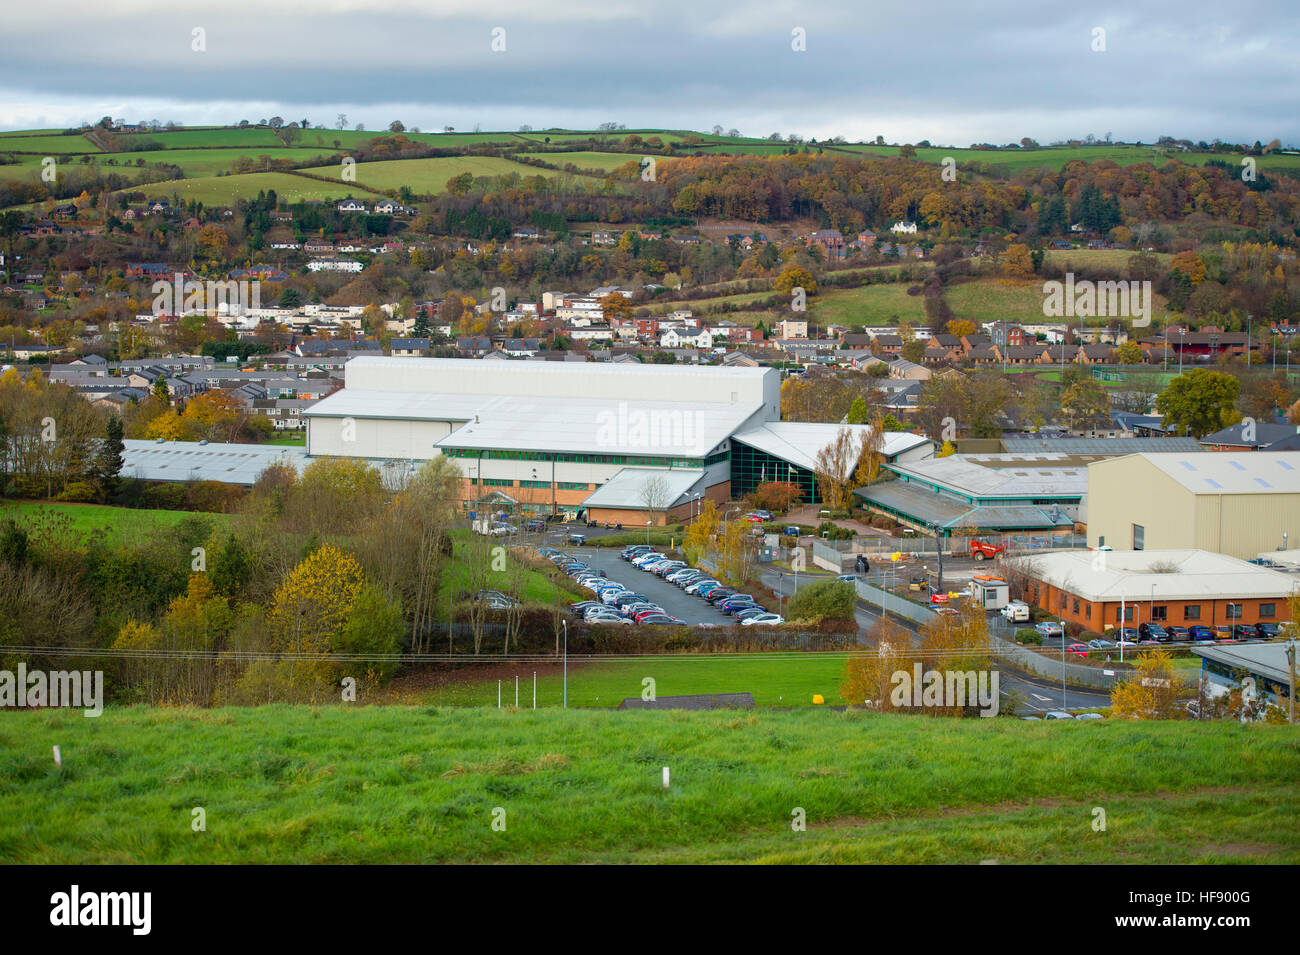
x=892 y=603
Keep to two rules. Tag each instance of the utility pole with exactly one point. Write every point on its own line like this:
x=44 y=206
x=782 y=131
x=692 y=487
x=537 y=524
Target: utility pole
x=566 y=664
x=1290 y=666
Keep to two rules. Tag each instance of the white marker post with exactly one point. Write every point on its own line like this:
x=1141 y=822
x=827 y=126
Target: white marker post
x=498 y=694
x=665 y=777
x=516 y=691
x=58 y=758
x=534 y=689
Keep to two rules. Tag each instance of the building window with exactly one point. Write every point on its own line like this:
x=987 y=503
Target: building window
x=1139 y=537
x=1234 y=611
x=1192 y=612
x=1128 y=614
x=1268 y=610
x=1076 y=604
x=1159 y=613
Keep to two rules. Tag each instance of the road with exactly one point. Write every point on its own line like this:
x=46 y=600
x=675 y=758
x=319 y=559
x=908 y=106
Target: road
x=1036 y=694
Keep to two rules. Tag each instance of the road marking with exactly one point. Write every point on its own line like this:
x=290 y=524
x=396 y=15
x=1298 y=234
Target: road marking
x=1039 y=696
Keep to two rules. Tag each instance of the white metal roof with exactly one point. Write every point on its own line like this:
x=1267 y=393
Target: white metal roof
x=191 y=461
x=627 y=488
x=1109 y=576
x=964 y=475
x=800 y=441
x=1232 y=472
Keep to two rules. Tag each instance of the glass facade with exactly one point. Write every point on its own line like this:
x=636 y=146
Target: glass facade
x=751 y=467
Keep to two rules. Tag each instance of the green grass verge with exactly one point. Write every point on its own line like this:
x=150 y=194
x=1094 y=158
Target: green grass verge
x=401 y=784
x=785 y=681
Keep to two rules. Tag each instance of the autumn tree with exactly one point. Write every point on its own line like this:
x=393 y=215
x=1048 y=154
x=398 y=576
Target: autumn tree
x=1198 y=402
x=1151 y=693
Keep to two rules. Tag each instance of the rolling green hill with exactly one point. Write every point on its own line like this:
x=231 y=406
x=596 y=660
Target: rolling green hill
x=404 y=784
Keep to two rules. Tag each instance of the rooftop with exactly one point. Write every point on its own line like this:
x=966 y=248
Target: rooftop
x=1111 y=576
x=1231 y=472
x=627 y=489
x=192 y=461
x=799 y=441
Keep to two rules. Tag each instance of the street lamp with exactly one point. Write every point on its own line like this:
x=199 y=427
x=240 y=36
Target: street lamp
x=1063 y=702
x=647 y=532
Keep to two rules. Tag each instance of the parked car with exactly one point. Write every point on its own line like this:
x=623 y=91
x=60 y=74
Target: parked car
x=1201 y=632
x=761 y=514
x=610 y=618
x=746 y=612
x=1050 y=630
x=1078 y=649
x=636 y=550
x=657 y=619
x=577 y=539
x=1178 y=634
x=1153 y=632
x=1224 y=632
x=649 y=557
x=762 y=620
x=1058 y=715
x=1101 y=644
x=535 y=526
x=718 y=594
x=666 y=567
x=1090 y=716
x=1244 y=631
x=695 y=586
x=1267 y=631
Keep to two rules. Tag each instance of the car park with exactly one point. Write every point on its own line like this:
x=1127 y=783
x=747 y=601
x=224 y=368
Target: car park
x=762 y=620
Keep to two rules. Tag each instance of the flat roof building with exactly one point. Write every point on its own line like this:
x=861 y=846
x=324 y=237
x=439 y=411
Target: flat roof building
x=1101 y=589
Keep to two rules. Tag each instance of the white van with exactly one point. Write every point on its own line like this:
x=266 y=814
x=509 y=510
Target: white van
x=1017 y=611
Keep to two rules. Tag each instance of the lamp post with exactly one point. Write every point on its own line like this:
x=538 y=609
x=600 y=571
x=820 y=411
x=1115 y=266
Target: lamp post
x=1063 y=703
x=1182 y=345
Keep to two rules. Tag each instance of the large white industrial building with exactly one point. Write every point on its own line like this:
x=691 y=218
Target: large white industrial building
x=546 y=437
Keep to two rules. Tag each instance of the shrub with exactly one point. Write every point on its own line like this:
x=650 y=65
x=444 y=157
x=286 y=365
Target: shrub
x=826 y=599
x=834 y=531
x=78 y=492
x=1027 y=635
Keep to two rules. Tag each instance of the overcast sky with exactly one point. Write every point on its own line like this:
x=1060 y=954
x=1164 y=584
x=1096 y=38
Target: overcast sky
x=953 y=73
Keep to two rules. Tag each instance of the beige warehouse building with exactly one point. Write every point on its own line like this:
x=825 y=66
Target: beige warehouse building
x=1238 y=504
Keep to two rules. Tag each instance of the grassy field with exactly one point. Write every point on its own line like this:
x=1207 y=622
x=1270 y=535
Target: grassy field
x=402 y=784
x=54 y=145
x=222 y=190
x=868 y=305
x=781 y=682
x=606 y=162
x=117 y=523
x=429 y=176
x=992 y=299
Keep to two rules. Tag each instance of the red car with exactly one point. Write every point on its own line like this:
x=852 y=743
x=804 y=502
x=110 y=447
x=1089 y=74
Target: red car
x=1078 y=649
